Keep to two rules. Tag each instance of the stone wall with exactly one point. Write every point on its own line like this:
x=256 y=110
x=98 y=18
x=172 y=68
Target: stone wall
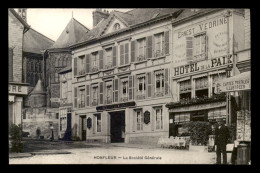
x=15 y=39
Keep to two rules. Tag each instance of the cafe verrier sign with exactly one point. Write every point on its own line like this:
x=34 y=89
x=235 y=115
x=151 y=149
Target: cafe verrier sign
x=235 y=83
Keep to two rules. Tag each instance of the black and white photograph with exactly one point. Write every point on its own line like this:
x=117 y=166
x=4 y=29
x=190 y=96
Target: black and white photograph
x=129 y=86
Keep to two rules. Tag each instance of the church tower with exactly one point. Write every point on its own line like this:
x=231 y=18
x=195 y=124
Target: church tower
x=23 y=13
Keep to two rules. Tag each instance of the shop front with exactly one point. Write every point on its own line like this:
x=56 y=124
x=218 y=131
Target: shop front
x=16 y=94
x=65 y=123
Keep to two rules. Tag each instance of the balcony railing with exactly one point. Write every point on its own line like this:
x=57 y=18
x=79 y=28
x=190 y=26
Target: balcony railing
x=124 y=99
x=94 y=102
x=140 y=96
x=159 y=94
x=94 y=69
x=159 y=53
x=141 y=58
x=108 y=65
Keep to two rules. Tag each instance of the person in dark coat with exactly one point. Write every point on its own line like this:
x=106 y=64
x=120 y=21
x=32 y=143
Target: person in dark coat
x=221 y=140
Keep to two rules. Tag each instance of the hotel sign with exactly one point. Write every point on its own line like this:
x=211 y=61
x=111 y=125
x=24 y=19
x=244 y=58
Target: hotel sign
x=115 y=106
x=202 y=65
x=17 y=89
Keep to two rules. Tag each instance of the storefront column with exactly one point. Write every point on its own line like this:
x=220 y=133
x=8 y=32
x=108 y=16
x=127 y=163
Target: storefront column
x=107 y=128
x=127 y=124
x=18 y=110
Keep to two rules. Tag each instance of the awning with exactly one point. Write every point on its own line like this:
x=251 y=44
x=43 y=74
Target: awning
x=239 y=82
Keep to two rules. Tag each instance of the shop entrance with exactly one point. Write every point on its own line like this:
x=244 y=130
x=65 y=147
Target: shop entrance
x=83 y=128
x=117 y=126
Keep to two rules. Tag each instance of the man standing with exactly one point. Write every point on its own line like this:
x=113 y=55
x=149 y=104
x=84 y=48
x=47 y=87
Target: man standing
x=221 y=140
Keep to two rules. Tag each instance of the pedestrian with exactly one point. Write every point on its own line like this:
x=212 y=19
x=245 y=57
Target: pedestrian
x=221 y=140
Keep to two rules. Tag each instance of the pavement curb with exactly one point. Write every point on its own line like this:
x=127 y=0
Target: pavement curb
x=20 y=155
x=50 y=153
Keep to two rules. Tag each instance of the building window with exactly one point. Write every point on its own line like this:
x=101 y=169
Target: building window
x=98 y=122
x=139 y=120
x=141 y=49
x=109 y=94
x=159 y=42
x=64 y=87
x=159 y=118
x=141 y=86
x=201 y=87
x=200 y=46
x=108 y=59
x=159 y=84
x=82 y=97
x=124 y=89
x=82 y=65
x=116 y=27
x=95 y=61
x=57 y=115
x=94 y=95
x=185 y=89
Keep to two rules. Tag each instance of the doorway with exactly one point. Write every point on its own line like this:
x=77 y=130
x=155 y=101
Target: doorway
x=83 y=128
x=117 y=126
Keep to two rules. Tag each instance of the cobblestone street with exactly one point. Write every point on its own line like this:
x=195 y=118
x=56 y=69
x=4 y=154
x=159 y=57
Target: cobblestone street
x=84 y=153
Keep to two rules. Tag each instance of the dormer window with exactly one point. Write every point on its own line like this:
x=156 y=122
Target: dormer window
x=116 y=26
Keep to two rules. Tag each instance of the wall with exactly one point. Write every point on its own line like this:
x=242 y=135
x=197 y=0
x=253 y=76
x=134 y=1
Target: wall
x=247 y=25
x=15 y=40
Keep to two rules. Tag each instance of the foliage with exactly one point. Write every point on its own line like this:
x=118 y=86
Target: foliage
x=16 y=138
x=199 y=132
x=197 y=100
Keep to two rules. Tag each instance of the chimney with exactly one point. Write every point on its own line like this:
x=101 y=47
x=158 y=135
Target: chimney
x=23 y=13
x=98 y=15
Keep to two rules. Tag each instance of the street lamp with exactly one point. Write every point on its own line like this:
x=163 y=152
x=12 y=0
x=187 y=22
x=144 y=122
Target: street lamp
x=228 y=117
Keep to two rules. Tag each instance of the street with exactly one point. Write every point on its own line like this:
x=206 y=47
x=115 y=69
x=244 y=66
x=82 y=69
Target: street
x=115 y=154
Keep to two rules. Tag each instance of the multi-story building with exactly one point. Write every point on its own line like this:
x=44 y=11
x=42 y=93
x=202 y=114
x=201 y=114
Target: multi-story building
x=204 y=52
x=121 y=74
x=18 y=89
x=65 y=103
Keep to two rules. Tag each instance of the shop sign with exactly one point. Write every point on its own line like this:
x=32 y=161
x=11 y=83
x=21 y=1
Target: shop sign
x=202 y=65
x=115 y=106
x=89 y=123
x=198 y=107
x=17 y=89
x=235 y=83
x=146 y=117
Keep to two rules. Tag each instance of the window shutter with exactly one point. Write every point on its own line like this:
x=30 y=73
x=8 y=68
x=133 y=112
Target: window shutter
x=75 y=66
x=134 y=121
x=88 y=63
x=189 y=47
x=126 y=53
x=149 y=84
x=10 y=67
x=206 y=47
x=101 y=93
x=149 y=47
x=166 y=38
x=121 y=54
x=114 y=56
x=135 y=84
x=75 y=97
x=133 y=51
x=166 y=81
x=115 y=90
x=87 y=95
x=130 y=88
x=100 y=59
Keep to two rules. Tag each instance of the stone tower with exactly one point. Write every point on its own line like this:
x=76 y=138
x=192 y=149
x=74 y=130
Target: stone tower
x=38 y=96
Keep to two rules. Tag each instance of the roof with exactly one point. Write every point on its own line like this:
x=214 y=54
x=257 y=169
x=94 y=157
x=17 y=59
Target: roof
x=65 y=69
x=19 y=18
x=72 y=33
x=39 y=88
x=130 y=18
x=35 y=42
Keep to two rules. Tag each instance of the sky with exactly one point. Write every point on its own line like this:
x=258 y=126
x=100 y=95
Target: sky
x=51 y=22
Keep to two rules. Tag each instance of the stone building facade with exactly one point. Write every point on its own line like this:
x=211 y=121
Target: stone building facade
x=121 y=74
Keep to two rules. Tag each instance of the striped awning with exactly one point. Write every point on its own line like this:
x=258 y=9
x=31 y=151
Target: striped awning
x=200 y=75
x=123 y=80
x=11 y=98
x=140 y=76
x=217 y=72
x=160 y=72
x=108 y=83
x=183 y=79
